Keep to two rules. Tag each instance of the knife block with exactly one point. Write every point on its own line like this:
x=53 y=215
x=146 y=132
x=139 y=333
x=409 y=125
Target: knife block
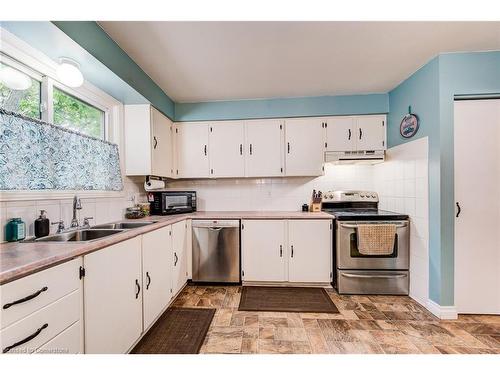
x=315 y=205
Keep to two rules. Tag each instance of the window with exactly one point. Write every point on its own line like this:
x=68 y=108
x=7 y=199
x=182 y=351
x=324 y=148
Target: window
x=19 y=92
x=73 y=113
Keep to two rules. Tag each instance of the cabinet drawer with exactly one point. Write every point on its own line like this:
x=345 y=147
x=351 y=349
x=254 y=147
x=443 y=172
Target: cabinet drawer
x=67 y=342
x=38 y=290
x=43 y=325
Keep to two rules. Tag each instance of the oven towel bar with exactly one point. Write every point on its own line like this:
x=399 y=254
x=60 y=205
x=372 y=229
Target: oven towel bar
x=376 y=239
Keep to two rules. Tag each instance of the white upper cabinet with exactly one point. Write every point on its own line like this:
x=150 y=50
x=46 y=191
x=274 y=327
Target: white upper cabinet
x=162 y=156
x=227 y=140
x=148 y=142
x=340 y=134
x=356 y=133
x=304 y=146
x=192 y=150
x=371 y=133
x=264 y=148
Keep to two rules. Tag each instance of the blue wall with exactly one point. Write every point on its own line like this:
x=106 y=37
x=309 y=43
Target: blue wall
x=430 y=91
x=92 y=38
x=286 y=107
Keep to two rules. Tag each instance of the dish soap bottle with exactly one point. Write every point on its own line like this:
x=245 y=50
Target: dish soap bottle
x=42 y=227
x=15 y=230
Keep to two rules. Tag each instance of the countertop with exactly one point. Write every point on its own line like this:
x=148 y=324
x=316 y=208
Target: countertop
x=19 y=259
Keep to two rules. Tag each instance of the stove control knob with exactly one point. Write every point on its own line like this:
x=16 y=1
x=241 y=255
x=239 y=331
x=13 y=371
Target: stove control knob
x=362 y=195
x=374 y=196
x=330 y=196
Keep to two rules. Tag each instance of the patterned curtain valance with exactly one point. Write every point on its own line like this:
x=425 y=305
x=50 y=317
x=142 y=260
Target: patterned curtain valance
x=35 y=155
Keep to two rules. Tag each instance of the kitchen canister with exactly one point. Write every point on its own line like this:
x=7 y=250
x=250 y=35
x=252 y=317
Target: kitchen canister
x=15 y=230
x=42 y=225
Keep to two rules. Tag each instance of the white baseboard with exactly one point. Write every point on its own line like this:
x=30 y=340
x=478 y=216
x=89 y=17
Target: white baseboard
x=442 y=312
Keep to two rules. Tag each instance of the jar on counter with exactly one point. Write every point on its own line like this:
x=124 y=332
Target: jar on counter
x=15 y=230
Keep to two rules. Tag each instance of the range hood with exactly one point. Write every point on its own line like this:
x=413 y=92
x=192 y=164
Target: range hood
x=355 y=157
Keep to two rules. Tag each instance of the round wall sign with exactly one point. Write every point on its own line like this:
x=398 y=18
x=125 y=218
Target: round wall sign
x=409 y=125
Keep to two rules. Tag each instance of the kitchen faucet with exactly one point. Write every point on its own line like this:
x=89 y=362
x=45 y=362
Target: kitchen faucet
x=77 y=205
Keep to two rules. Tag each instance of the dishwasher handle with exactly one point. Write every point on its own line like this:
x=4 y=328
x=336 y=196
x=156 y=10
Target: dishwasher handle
x=215 y=224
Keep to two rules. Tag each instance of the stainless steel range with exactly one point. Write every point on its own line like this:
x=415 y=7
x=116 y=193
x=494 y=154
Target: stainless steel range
x=356 y=271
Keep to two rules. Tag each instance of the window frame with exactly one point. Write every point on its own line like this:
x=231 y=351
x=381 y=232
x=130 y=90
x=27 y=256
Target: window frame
x=74 y=94
x=9 y=61
x=34 y=62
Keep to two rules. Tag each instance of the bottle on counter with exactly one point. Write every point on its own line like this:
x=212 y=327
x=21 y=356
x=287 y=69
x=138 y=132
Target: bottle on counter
x=15 y=230
x=42 y=225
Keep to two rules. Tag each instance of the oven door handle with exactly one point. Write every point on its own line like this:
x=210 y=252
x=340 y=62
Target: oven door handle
x=353 y=226
x=373 y=276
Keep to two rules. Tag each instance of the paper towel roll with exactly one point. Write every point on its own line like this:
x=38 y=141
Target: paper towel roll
x=154 y=185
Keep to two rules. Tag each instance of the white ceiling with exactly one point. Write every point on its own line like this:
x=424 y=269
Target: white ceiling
x=204 y=61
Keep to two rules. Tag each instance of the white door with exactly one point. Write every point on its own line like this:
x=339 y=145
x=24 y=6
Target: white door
x=370 y=133
x=477 y=188
x=192 y=150
x=113 y=298
x=310 y=250
x=263 y=249
x=264 y=148
x=341 y=134
x=179 y=256
x=161 y=145
x=227 y=139
x=304 y=147
x=156 y=272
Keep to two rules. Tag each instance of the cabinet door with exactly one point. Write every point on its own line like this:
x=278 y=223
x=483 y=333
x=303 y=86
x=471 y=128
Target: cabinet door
x=226 y=149
x=179 y=256
x=156 y=272
x=341 y=134
x=370 y=133
x=113 y=298
x=310 y=250
x=264 y=148
x=161 y=145
x=304 y=147
x=192 y=150
x=263 y=248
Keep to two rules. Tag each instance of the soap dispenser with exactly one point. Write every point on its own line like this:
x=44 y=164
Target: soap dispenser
x=42 y=227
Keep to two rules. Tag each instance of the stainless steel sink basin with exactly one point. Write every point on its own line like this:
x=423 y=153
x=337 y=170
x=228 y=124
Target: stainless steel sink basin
x=123 y=225
x=83 y=235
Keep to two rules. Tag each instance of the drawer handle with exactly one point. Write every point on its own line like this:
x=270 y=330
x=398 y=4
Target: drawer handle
x=149 y=280
x=373 y=276
x=36 y=294
x=138 y=289
x=24 y=341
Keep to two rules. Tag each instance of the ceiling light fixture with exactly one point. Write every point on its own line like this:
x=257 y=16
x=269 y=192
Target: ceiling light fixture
x=14 y=79
x=68 y=72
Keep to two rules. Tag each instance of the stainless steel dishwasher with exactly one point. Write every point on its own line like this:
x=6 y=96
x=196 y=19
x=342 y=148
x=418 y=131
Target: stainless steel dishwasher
x=216 y=251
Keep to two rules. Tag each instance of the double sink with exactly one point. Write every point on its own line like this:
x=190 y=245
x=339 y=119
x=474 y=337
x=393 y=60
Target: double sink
x=95 y=232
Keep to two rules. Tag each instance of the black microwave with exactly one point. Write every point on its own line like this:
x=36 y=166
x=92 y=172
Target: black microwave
x=172 y=202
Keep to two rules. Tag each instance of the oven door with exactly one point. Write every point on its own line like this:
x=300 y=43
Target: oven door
x=348 y=256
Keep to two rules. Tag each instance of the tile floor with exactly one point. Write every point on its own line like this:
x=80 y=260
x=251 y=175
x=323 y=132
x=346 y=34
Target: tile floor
x=365 y=324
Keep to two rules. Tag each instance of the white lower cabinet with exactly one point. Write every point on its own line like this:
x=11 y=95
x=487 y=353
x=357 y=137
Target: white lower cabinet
x=39 y=308
x=113 y=298
x=310 y=251
x=287 y=250
x=263 y=250
x=157 y=273
x=179 y=256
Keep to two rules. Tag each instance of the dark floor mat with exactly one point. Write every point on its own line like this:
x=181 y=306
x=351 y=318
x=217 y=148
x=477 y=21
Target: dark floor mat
x=177 y=331
x=286 y=299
